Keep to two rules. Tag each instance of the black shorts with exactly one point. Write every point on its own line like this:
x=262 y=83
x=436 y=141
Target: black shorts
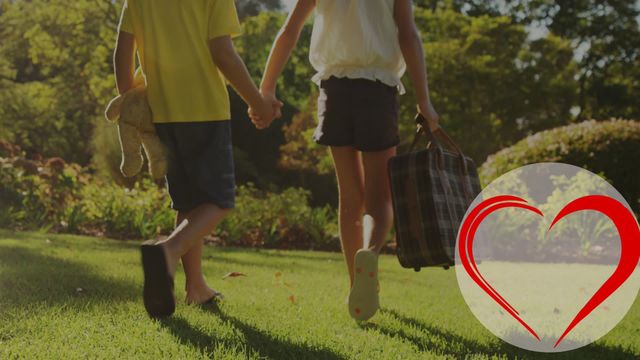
x=201 y=169
x=359 y=113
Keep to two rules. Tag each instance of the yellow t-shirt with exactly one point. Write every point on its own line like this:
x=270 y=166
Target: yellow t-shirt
x=183 y=82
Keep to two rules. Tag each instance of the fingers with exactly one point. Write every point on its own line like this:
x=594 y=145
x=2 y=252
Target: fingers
x=277 y=107
x=427 y=110
x=263 y=117
x=261 y=122
x=277 y=112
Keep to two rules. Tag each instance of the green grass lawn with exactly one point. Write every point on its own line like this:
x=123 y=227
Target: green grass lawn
x=78 y=297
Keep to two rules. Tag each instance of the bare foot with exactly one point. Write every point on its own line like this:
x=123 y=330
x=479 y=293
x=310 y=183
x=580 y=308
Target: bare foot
x=201 y=295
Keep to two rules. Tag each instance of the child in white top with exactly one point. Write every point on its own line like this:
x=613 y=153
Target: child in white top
x=360 y=49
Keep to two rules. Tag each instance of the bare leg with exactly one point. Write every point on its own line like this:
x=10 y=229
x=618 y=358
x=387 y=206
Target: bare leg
x=196 y=286
x=349 y=172
x=378 y=203
x=189 y=234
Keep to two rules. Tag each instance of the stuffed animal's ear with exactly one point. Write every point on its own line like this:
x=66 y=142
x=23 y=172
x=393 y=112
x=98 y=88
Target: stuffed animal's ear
x=113 y=109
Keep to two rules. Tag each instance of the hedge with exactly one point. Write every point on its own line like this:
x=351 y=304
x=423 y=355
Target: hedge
x=608 y=148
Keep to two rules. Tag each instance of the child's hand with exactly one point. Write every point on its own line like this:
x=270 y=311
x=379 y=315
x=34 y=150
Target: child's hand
x=276 y=105
x=263 y=115
x=271 y=111
x=425 y=108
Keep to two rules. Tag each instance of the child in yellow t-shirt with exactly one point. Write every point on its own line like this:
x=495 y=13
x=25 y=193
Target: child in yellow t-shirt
x=186 y=53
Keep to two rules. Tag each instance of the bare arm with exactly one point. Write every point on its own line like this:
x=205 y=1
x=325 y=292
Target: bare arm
x=124 y=61
x=284 y=44
x=226 y=58
x=411 y=46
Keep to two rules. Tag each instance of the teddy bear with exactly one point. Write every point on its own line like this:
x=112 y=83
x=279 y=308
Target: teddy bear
x=133 y=115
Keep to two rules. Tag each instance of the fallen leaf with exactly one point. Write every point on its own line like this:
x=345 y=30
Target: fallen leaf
x=278 y=274
x=233 y=274
x=292 y=298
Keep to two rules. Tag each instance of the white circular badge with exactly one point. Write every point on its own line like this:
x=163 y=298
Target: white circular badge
x=547 y=257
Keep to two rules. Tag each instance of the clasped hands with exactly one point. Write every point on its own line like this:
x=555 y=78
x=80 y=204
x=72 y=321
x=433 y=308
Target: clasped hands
x=269 y=110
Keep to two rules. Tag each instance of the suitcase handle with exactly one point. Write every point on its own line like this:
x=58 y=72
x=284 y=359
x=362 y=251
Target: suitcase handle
x=436 y=138
x=433 y=136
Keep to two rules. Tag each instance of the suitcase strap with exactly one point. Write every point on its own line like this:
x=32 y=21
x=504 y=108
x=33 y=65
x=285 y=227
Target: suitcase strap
x=435 y=138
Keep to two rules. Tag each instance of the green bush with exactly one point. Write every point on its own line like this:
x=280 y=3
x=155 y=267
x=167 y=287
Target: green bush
x=609 y=148
x=54 y=196
x=35 y=193
x=139 y=213
x=285 y=220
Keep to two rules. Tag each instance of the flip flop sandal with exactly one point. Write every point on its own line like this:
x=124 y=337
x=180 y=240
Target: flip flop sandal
x=363 y=298
x=215 y=298
x=159 y=300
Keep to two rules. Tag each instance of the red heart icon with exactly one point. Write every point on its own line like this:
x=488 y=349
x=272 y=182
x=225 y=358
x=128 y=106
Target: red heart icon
x=621 y=217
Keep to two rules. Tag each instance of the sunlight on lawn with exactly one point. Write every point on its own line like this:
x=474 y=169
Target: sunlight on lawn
x=69 y=296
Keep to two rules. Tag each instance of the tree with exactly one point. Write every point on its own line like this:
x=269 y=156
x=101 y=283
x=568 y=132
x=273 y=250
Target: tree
x=294 y=86
x=606 y=35
x=300 y=152
x=467 y=7
x=490 y=82
x=258 y=152
x=247 y=8
x=55 y=66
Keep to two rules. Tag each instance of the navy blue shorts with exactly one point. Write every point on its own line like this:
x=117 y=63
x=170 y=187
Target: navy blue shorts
x=359 y=113
x=201 y=169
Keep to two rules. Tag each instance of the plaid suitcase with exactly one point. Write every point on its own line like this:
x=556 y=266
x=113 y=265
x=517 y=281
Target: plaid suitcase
x=431 y=191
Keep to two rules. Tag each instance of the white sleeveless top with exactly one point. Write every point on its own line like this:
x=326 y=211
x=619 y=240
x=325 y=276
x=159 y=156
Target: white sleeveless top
x=357 y=39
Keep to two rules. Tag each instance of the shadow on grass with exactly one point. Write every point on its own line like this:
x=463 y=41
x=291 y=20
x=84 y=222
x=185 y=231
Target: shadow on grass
x=302 y=255
x=255 y=340
x=29 y=277
x=436 y=340
x=270 y=265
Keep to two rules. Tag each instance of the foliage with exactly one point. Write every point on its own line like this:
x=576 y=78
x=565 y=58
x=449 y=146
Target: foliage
x=491 y=84
x=492 y=81
x=248 y=8
x=50 y=194
x=468 y=7
x=609 y=148
x=59 y=197
x=285 y=220
x=585 y=237
x=499 y=71
x=585 y=232
x=55 y=69
x=300 y=152
x=114 y=211
x=254 y=45
x=604 y=36
x=37 y=193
